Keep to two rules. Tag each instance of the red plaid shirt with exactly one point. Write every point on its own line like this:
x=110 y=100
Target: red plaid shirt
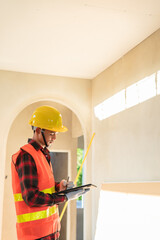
x=27 y=173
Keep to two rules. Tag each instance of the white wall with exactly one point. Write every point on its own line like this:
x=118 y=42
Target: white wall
x=127 y=145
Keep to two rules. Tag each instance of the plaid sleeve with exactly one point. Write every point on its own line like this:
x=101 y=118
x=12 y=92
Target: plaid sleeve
x=57 y=186
x=27 y=173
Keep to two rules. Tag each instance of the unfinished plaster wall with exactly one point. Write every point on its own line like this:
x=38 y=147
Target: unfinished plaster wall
x=127 y=145
x=20 y=91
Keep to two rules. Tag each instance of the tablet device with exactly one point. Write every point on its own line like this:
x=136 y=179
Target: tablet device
x=77 y=188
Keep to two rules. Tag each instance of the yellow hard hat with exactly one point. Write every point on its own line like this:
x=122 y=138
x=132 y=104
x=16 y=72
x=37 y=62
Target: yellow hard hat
x=46 y=117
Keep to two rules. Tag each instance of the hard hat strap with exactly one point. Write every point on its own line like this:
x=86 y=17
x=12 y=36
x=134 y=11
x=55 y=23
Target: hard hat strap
x=44 y=139
x=33 y=128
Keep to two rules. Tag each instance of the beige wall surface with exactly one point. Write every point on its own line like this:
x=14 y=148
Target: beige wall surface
x=127 y=145
x=20 y=94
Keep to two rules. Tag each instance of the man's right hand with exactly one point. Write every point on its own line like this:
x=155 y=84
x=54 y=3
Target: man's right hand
x=76 y=194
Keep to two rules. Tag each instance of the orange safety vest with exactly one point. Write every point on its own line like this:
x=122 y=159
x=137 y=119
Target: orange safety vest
x=35 y=222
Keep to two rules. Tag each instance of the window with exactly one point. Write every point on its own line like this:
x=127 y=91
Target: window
x=146 y=88
x=128 y=216
x=132 y=95
x=111 y=106
x=158 y=82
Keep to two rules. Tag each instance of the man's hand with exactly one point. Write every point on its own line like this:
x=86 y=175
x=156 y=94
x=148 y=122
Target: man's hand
x=76 y=194
x=64 y=184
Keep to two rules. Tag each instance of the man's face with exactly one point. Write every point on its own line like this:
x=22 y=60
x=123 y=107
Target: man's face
x=50 y=136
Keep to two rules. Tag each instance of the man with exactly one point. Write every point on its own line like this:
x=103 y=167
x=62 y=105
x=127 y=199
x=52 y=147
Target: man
x=34 y=188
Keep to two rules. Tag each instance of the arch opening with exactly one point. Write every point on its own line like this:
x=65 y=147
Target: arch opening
x=18 y=131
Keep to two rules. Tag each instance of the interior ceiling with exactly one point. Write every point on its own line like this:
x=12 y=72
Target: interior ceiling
x=75 y=38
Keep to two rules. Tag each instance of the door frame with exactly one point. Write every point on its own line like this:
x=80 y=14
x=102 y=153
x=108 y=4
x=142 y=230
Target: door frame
x=69 y=174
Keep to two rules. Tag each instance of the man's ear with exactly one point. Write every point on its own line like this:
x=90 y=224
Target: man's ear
x=38 y=130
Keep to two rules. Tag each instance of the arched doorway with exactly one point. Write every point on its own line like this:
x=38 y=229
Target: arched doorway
x=18 y=134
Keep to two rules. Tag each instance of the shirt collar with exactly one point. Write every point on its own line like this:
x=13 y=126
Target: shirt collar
x=45 y=151
x=35 y=144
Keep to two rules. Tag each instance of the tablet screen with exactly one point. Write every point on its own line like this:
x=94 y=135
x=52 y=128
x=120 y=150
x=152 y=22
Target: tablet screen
x=77 y=188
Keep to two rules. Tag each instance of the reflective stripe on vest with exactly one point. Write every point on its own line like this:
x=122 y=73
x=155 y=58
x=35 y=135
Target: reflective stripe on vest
x=27 y=217
x=18 y=196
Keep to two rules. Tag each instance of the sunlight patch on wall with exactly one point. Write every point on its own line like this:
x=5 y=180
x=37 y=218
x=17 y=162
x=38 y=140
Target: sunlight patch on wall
x=126 y=216
x=129 y=97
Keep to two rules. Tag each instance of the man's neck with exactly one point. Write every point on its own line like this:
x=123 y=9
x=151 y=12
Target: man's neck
x=35 y=139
